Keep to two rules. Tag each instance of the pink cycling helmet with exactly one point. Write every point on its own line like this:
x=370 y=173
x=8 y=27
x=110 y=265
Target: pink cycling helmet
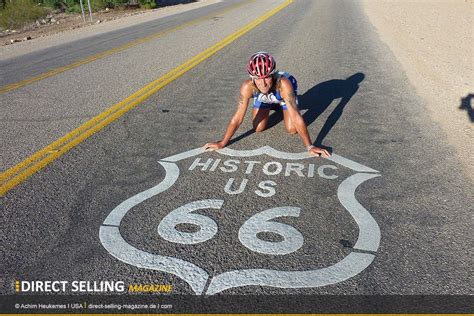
x=261 y=65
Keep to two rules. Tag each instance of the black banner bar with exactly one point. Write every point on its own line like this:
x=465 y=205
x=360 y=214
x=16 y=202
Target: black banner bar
x=250 y=304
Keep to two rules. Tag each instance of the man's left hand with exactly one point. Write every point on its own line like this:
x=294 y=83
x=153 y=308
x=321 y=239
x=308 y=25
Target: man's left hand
x=316 y=151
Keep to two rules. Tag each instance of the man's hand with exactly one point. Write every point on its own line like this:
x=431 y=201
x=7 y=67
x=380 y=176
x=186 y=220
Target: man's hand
x=316 y=151
x=214 y=146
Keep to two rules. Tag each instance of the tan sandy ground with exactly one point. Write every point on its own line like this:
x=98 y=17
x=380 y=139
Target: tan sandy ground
x=434 y=42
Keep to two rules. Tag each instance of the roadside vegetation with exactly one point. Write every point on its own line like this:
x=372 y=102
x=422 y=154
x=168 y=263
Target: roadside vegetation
x=15 y=14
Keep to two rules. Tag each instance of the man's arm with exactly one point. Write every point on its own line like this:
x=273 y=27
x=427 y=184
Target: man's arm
x=237 y=118
x=289 y=96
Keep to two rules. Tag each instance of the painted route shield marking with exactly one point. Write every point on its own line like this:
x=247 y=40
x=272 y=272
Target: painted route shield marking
x=197 y=278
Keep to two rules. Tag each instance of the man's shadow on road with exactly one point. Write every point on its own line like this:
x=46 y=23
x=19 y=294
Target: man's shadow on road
x=316 y=100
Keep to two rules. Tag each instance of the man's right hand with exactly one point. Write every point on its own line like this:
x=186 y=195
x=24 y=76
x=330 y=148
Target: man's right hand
x=214 y=146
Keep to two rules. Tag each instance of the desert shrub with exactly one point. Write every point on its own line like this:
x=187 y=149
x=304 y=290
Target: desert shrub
x=18 y=13
x=115 y=3
x=55 y=4
x=147 y=4
x=73 y=6
x=98 y=4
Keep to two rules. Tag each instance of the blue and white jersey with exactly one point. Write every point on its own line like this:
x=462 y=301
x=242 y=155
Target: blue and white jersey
x=260 y=99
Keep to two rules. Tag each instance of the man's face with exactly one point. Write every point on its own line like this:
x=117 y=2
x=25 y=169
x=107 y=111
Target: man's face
x=264 y=84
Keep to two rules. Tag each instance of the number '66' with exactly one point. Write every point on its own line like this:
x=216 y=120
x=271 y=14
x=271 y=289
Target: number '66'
x=260 y=222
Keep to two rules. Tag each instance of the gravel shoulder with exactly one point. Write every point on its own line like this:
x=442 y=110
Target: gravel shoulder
x=432 y=40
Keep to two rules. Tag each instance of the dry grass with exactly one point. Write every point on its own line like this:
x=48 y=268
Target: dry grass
x=21 y=12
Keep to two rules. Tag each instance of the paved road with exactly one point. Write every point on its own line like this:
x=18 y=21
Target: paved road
x=390 y=213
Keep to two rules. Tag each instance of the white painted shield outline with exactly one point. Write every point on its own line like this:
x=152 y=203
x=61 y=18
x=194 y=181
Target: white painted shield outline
x=197 y=278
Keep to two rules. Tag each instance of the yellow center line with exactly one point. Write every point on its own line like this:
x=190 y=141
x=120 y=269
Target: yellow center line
x=109 y=52
x=40 y=159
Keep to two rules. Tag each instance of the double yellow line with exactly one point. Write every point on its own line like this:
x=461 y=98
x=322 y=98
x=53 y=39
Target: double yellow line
x=40 y=159
x=131 y=44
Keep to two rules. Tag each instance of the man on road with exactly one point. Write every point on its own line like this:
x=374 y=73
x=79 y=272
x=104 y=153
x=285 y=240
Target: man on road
x=269 y=89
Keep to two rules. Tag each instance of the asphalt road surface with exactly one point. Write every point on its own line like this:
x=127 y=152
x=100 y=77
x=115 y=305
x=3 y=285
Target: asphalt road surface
x=389 y=214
